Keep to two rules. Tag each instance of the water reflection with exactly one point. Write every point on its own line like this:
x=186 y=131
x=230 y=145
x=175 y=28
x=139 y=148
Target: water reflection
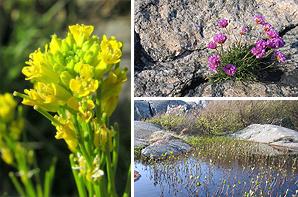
x=209 y=175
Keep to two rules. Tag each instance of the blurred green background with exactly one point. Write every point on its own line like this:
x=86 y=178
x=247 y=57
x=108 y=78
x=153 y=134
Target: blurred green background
x=26 y=25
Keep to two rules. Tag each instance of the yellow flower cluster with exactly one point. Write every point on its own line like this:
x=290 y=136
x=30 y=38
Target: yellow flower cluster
x=11 y=126
x=75 y=76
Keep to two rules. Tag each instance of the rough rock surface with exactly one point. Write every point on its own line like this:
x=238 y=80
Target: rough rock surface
x=143 y=131
x=170 y=39
x=164 y=144
x=275 y=136
x=142 y=110
x=157 y=143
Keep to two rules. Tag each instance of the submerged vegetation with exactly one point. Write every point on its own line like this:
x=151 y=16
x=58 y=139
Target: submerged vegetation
x=220 y=166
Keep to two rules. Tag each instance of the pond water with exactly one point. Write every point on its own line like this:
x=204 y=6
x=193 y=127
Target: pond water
x=197 y=175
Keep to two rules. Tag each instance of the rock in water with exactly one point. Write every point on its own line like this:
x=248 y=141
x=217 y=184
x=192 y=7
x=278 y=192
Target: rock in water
x=164 y=144
x=170 y=40
x=143 y=131
x=137 y=176
x=273 y=135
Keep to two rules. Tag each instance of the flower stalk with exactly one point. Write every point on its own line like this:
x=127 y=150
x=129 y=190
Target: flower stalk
x=76 y=85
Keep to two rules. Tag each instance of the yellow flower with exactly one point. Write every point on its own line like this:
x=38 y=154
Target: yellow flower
x=7 y=155
x=110 y=50
x=80 y=32
x=66 y=131
x=38 y=68
x=102 y=136
x=55 y=44
x=34 y=98
x=51 y=93
x=16 y=128
x=86 y=109
x=111 y=89
x=7 y=107
x=83 y=85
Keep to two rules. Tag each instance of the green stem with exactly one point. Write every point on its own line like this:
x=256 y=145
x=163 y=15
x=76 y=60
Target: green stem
x=80 y=187
x=29 y=186
x=128 y=182
x=115 y=149
x=98 y=193
x=90 y=188
x=16 y=184
x=47 y=115
x=49 y=179
x=37 y=179
x=110 y=174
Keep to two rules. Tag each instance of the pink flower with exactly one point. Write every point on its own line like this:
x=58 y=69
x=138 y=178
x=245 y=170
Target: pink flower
x=258 y=52
x=260 y=19
x=223 y=23
x=230 y=69
x=280 y=57
x=220 y=38
x=275 y=43
x=267 y=27
x=212 y=45
x=244 y=30
x=214 y=62
x=261 y=43
x=272 y=33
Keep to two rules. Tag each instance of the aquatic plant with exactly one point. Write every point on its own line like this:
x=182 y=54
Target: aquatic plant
x=76 y=84
x=221 y=166
x=240 y=59
x=17 y=153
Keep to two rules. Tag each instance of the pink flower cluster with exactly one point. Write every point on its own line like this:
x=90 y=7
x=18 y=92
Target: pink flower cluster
x=214 y=60
x=272 y=41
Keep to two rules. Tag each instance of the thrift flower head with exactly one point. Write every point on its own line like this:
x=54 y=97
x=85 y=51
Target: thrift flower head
x=267 y=27
x=230 y=69
x=244 y=30
x=258 y=52
x=272 y=33
x=214 y=62
x=260 y=49
x=212 y=45
x=260 y=19
x=261 y=44
x=223 y=23
x=280 y=57
x=275 y=43
x=220 y=38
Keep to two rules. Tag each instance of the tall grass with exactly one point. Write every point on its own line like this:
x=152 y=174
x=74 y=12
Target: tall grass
x=221 y=117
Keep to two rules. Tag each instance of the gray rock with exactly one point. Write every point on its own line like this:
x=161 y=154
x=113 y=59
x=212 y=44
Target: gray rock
x=148 y=109
x=273 y=135
x=170 y=39
x=142 y=110
x=165 y=147
x=143 y=131
x=161 y=107
x=242 y=89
